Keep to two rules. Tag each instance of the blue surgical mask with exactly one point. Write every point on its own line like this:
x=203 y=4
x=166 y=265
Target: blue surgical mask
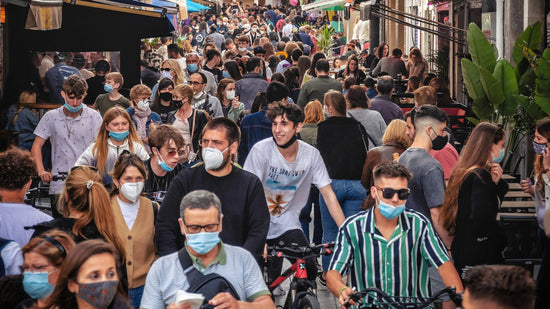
x=500 y=156
x=108 y=88
x=203 y=242
x=538 y=148
x=119 y=136
x=37 y=284
x=72 y=109
x=192 y=67
x=388 y=211
x=226 y=74
x=163 y=164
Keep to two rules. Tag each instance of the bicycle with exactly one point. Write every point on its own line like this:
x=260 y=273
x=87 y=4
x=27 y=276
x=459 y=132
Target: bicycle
x=374 y=298
x=303 y=292
x=38 y=195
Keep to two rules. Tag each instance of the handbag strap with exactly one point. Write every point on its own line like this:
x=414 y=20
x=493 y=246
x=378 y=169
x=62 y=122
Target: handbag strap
x=368 y=135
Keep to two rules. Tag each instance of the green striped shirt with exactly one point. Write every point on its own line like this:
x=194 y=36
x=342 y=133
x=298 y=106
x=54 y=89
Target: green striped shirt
x=399 y=267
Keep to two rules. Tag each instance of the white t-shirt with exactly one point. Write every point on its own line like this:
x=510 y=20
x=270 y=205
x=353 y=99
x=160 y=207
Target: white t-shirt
x=129 y=212
x=286 y=184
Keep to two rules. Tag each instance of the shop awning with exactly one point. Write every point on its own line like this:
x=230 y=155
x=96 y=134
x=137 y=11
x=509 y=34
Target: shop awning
x=322 y=4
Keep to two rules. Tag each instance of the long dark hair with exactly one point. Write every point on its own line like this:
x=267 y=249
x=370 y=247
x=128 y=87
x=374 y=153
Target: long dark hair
x=232 y=68
x=163 y=84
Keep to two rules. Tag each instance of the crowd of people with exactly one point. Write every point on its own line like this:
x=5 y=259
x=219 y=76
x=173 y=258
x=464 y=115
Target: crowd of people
x=238 y=133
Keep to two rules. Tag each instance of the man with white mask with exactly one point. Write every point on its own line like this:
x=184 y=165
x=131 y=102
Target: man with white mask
x=246 y=219
x=201 y=99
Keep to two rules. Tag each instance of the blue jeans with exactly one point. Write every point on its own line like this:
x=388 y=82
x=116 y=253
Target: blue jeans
x=305 y=217
x=134 y=296
x=350 y=195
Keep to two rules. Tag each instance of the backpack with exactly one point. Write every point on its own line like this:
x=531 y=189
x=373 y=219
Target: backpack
x=3 y=243
x=207 y=285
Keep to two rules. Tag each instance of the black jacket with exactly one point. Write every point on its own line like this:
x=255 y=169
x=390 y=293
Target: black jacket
x=200 y=122
x=340 y=142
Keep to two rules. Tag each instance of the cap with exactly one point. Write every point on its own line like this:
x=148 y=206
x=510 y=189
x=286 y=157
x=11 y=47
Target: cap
x=364 y=51
x=102 y=66
x=259 y=50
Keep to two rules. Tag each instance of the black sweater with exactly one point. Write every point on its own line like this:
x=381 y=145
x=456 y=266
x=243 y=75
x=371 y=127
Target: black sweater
x=245 y=214
x=340 y=143
x=478 y=237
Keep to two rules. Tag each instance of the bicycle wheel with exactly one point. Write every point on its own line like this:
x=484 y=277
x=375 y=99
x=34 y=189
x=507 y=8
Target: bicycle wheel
x=309 y=301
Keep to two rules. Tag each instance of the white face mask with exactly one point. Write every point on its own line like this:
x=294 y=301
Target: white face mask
x=254 y=29
x=230 y=95
x=143 y=105
x=166 y=74
x=132 y=190
x=198 y=95
x=212 y=157
x=243 y=49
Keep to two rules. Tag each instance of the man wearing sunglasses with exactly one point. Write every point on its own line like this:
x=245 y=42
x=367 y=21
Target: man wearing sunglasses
x=388 y=246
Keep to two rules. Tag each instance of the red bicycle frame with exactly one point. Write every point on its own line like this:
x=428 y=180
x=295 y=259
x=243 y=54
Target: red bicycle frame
x=299 y=267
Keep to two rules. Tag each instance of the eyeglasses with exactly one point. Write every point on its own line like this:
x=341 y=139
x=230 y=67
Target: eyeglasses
x=173 y=152
x=193 y=229
x=166 y=69
x=34 y=268
x=196 y=83
x=388 y=193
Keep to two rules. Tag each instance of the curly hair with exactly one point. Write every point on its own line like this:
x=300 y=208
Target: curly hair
x=16 y=168
x=75 y=85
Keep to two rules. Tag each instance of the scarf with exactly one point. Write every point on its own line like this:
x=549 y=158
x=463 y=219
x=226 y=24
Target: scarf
x=141 y=122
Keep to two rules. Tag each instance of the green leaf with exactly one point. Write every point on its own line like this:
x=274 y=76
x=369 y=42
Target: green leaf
x=543 y=87
x=543 y=102
x=492 y=88
x=530 y=39
x=480 y=48
x=473 y=120
x=470 y=73
x=482 y=109
x=504 y=74
x=526 y=81
x=530 y=107
x=543 y=66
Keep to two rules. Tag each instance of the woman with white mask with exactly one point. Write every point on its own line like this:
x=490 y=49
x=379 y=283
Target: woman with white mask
x=141 y=113
x=134 y=217
x=231 y=106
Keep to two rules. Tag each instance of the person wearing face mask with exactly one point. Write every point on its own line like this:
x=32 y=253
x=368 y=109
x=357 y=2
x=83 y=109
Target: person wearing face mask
x=115 y=135
x=43 y=256
x=472 y=200
x=134 y=217
x=391 y=226
x=194 y=66
x=231 y=106
x=213 y=63
x=243 y=42
x=201 y=99
x=89 y=278
x=246 y=218
x=428 y=184
x=70 y=128
x=141 y=113
x=113 y=83
x=188 y=121
x=539 y=187
x=254 y=32
x=200 y=221
x=96 y=83
x=167 y=145
x=163 y=102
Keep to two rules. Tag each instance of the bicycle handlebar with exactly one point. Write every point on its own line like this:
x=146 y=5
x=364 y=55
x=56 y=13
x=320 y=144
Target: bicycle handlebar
x=295 y=251
x=403 y=302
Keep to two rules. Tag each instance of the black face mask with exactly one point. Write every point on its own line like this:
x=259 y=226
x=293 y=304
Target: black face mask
x=166 y=96
x=178 y=103
x=439 y=142
x=290 y=142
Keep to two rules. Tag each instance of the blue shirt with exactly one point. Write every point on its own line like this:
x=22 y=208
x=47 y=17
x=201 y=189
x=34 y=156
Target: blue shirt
x=254 y=128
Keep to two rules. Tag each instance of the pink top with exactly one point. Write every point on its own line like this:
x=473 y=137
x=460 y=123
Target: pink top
x=448 y=156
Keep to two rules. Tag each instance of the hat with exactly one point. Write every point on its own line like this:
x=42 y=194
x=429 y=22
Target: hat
x=364 y=51
x=102 y=66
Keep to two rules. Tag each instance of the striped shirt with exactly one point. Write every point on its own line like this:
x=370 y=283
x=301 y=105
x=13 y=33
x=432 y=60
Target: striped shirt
x=399 y=266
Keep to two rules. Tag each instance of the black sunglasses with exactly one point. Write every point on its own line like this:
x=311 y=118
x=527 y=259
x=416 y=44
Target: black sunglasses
x=388 y=193
x=166 y=69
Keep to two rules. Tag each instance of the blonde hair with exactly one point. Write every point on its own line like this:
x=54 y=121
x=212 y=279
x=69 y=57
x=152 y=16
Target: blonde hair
x=425 y=95
x=173 y=64
x=116 y=77
x=396 y=132
x=101 y=147
x=85 y=193
x=185 y=91
x=27 y=96
x=314 y=112
x=139 y=90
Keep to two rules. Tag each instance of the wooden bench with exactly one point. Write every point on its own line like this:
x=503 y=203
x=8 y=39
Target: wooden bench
x=517 y=194
x=522 y=216
x=514 y=186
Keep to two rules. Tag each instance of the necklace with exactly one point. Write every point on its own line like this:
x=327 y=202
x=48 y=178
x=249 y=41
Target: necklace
x=69 y=129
